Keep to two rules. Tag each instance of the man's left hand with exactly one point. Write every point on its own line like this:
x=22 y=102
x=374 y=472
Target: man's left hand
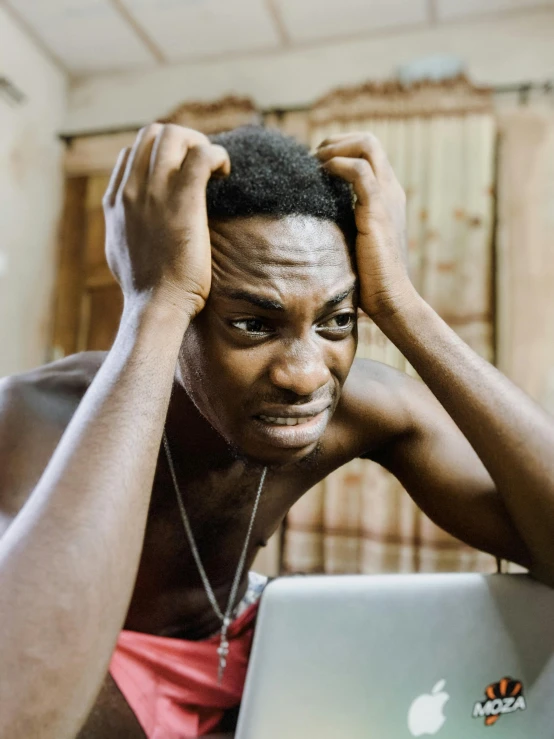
x=380 y=213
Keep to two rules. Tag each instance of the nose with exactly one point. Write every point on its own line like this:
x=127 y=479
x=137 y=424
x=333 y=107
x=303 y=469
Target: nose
x=300 y=368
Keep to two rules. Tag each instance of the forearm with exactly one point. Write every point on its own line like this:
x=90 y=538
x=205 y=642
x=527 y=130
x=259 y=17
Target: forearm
x=69 y=560
x=511 y=434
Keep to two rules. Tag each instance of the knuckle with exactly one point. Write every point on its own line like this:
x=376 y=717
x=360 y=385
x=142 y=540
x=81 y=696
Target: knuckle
x=154 y=128
x=128 y=196
x=174 y=131
x=149 y=131
x=188 y=134
x=365 y=138
x=199 y=154
x=362 y=168
x=218 y=149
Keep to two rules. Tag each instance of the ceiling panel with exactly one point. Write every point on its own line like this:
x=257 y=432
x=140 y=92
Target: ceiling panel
x=451 y=9
x=196 y=28
x=86 y=35
x=308 y=20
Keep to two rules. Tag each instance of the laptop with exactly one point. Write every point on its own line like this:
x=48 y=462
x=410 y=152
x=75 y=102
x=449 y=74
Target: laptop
x=401 y=656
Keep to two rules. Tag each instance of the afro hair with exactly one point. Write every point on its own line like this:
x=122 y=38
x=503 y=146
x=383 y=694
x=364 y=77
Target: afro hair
x=274 y=175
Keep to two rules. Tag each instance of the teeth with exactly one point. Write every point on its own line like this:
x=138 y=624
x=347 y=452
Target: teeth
x=285 y=421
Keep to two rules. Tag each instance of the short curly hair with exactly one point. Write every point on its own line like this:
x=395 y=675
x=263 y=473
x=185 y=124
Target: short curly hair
x=272 y=174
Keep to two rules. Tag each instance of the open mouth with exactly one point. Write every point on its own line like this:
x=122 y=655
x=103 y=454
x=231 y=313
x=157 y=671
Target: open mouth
x=286 y=421
x=291 y=431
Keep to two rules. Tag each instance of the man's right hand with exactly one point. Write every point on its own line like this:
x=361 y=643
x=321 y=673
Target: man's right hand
x=157 y=238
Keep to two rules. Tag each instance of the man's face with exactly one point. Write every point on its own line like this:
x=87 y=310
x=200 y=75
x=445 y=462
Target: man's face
x=266 y=359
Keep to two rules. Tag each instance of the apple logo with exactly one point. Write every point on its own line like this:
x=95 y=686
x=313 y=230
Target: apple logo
x=425 y=715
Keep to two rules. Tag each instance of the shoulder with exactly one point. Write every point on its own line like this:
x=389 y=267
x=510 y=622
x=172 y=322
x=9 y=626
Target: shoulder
x=61 y=381
x=378 y=404
x=35 y=409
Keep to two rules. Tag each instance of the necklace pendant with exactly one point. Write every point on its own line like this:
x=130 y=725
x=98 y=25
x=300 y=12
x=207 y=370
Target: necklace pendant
x=223 y=650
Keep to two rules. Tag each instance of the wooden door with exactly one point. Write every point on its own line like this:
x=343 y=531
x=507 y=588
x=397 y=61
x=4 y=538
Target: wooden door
x=101 y=300
x=88 y=299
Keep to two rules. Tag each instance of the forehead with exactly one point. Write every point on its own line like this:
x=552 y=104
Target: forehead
x=282 y=255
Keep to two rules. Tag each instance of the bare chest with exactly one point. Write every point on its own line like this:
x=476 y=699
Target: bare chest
x=170 y=598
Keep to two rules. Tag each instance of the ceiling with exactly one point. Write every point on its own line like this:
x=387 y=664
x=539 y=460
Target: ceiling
x=87 y=37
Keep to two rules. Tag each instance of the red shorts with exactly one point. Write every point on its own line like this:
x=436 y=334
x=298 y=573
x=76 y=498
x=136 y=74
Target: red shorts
x=171 y=684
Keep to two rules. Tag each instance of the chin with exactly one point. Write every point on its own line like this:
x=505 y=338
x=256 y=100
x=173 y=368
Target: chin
x=273 y=456
x=279 y=445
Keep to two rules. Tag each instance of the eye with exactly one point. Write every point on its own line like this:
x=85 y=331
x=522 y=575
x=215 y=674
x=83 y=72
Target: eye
x=252 y=326
x=339 y=325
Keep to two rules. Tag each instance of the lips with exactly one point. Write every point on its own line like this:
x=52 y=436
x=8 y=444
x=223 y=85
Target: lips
x=291 y=431
x=305 y=410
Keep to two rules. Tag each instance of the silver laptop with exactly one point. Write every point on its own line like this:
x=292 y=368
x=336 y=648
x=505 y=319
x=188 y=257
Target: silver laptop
x=401 y=656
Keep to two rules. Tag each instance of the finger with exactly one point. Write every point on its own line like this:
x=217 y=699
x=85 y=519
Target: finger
x=201 y=162
x=336 y=138
x=169 y=150
x=221 y=156
x=136 y=173
x=365 y=146
x=116 y=177
x=189 y=184
x=358 y=173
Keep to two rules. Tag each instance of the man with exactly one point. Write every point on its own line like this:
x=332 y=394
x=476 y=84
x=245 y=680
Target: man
x=238 y=338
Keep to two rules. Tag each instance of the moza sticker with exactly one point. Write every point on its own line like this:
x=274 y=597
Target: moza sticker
x=505 y=696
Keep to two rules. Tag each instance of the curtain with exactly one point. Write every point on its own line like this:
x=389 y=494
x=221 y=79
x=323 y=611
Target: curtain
x=294 y=123
x=525 y=299
x=525 y=234
x=440 y=139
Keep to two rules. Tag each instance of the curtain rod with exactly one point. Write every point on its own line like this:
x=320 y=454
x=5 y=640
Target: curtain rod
x=547 y=86
x=523 y=88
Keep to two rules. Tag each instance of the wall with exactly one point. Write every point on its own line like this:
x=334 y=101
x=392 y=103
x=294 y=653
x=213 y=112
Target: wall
x=513 y=48
x=30 y=198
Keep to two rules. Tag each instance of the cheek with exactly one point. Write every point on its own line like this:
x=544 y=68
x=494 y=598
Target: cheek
x=239 y=370
x=344 y=356
x=226 y=371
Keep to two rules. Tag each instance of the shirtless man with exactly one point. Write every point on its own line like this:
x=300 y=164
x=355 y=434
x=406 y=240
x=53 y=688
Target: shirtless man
x=265 y=295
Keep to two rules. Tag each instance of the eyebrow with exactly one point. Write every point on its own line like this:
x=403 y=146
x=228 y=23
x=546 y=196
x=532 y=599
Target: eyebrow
x=256 y=300
x=268 y=304
x=340 y=296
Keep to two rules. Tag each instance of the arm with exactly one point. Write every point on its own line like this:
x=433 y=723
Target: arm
x=509 y=479
x=69 y=559
x=437 y=465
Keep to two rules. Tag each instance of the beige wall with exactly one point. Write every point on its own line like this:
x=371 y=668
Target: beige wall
x=511 y=49
x=30 y=196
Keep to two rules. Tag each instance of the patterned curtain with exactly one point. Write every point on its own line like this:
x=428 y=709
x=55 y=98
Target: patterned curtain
x=440 y=139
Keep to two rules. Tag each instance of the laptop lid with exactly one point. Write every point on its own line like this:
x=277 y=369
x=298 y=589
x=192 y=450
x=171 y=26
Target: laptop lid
x=397 y=656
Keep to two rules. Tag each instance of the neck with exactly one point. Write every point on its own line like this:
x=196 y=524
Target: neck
x=191 y=435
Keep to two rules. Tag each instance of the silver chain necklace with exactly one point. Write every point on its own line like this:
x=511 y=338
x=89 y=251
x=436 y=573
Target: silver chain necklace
x=225 y=618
